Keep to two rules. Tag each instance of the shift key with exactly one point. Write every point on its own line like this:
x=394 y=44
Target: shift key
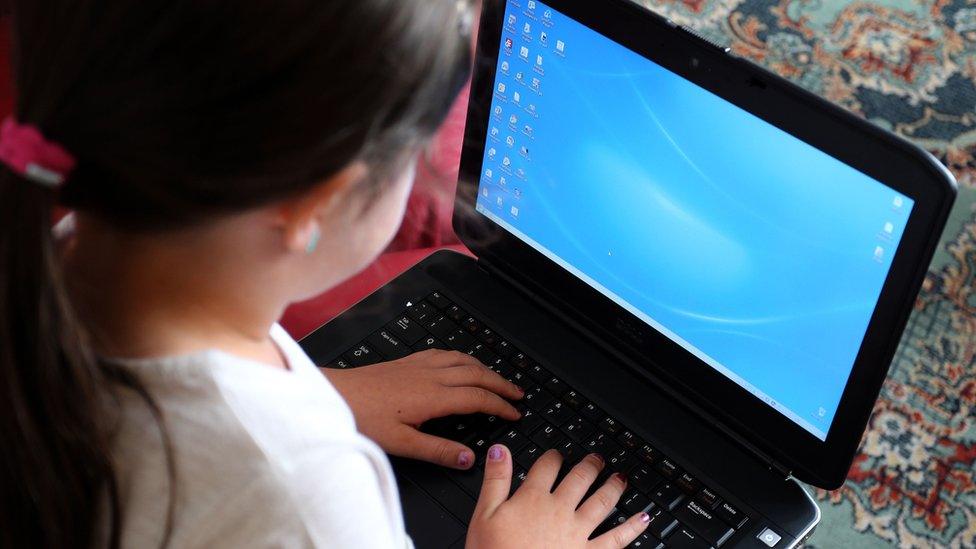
x=704 y=521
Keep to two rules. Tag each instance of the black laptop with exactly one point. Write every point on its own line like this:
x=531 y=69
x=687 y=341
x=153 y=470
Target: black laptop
x=693 y=267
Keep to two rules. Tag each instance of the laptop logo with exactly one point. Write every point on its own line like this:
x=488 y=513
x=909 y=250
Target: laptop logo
x=630 y=330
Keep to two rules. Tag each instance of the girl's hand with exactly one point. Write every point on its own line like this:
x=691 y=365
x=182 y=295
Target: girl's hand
x=538 y=516
x=390 y=400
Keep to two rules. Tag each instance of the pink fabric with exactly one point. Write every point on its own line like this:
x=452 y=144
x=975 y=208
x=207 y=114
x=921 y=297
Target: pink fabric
x=302 y=318
x=23 y=148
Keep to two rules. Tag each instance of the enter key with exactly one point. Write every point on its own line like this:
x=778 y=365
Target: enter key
x=704 y=521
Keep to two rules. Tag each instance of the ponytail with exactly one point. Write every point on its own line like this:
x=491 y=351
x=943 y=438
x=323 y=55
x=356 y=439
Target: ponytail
x=55 y=464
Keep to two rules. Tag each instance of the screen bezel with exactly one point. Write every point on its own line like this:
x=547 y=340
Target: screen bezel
x=875 y=152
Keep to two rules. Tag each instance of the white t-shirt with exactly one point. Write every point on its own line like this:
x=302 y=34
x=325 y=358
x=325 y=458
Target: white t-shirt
x=264 y=457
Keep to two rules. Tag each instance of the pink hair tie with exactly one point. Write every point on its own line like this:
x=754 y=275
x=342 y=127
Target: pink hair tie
x=25 y=151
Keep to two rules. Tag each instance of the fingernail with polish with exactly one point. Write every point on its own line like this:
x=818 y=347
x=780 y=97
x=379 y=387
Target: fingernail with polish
x=599 y=458
x=645 y=518
x=621 y=477
x=495 y=453
x=464 y=458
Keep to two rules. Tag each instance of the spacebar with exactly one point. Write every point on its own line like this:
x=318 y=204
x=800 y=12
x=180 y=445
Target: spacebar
x=444 y=490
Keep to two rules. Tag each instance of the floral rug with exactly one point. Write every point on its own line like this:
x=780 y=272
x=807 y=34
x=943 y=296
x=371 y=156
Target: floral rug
x=908 y=66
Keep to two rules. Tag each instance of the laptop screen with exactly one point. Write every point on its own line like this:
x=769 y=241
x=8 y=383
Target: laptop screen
x=759 y=254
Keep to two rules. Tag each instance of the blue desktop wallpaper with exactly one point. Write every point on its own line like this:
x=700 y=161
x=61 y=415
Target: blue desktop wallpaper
x=755 y=251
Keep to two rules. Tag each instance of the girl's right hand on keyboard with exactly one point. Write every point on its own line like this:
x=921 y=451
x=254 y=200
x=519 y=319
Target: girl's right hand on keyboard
x=539 y=516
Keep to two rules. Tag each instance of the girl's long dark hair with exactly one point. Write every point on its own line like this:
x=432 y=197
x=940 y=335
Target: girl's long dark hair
x=178 y=111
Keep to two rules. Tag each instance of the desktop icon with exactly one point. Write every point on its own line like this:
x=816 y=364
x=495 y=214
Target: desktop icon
x=516 y=97
x=488 y=173
x=560 y=46
x=547 y=15
x=514 y=211
x=538 y=60
x=498 y=201
x=536 y=83
x=506 y=162
x=524 y=52
x=492 y=152
x=494 y=131
x=513 y=120
x=524 y=151
x=509 y=44
x=879 y=253
x=505 y=66
x=531 y=4
x=543 y=38
x=897 y=202
x=501 y=87
x=511 y=20
x=502 y=181
x=889 y=228
x=484 y=192
x=498 y=111
x=519 y=76
x=518 y=193
x=527 y=130
x=527 y=28
x=510 y=141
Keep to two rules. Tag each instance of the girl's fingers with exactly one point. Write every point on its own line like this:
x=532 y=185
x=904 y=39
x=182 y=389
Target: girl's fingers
x=411 y=443
x=477 y=375
x=474 y=400
x=436 y=358
x=622 y=535
x=598 y=506
x=543 y=472
x=579 y=479
x=497 y=482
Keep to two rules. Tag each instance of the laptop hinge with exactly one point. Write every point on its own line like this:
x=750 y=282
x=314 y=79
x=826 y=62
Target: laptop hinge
x=777 y=469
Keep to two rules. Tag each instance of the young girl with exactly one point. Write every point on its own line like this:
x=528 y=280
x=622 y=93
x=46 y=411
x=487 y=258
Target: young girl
x=223 y=159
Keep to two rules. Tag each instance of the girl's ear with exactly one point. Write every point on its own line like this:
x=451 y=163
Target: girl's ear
x=300 y=218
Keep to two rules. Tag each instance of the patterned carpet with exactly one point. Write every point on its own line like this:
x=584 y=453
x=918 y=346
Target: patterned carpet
x=908 y=66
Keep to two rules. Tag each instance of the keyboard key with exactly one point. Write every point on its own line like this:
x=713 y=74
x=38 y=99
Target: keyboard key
x=406 y=329
x=667 y=495
x=459 y=428
x=687 y=483
x=537 y=399
x=708 y=498
x=528 y=455
x=573 y=399
x=339 y=364
x=578 y=429
x=513 y=440
x=684 y=538
x=430 y=342
x=731 y=515
x=547 y=436
x=621 y=461
x=704 y=521
x=555 y=386
x=644 y=478
x=591 y=412
x=482 y=353
x=610 y=425
x=539 y=373
x=452 y=497
x=460 y=341
x=520 y=361
x=668 y=468
x=518 y=477
x=601 y=444
x=531 y=420
x=557 y=412
x=614 y=519
x=455 y=313
x=661 y=524
x=633 y=502
x=471 y=325
x=648 y=453
x=387 y=345
x=572 y=452
x=442 y=327
x=361 y=355
x=488 y=337
x=504 y=348
x=498 y=365
x=628 y=440
x=439 y=300
x=421 y=311
x=646 y=541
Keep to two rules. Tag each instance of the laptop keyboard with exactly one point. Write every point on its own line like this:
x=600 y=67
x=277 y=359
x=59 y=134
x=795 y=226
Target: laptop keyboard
x=684 y=512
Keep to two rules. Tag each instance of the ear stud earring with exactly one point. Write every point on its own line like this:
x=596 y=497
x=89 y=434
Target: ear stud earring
x=313 y=241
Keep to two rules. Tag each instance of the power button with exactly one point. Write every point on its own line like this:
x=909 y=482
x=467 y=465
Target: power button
x=769 y=537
